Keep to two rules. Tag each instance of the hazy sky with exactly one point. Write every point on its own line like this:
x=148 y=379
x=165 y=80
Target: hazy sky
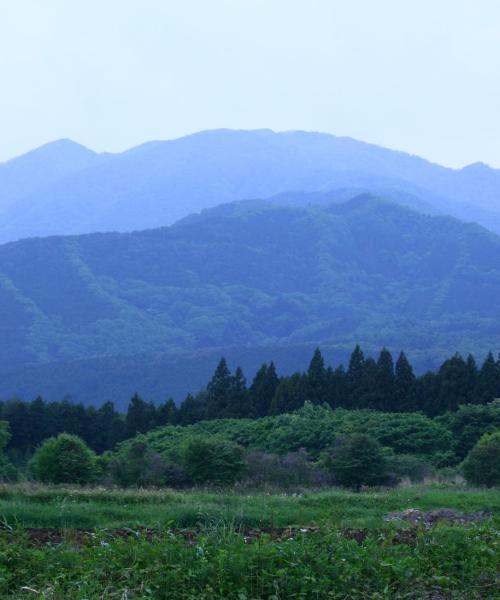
x=417 y=75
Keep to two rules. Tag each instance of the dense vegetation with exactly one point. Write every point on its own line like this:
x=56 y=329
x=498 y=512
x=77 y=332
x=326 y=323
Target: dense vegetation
x=250 y=276
x=218 y=557
x=382 y=385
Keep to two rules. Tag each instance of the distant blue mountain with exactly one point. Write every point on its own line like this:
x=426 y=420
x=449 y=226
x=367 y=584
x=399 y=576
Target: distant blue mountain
x=103 y=315
x=63 y=188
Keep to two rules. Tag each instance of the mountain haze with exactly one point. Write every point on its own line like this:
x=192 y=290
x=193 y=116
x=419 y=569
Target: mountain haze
x=63 y=188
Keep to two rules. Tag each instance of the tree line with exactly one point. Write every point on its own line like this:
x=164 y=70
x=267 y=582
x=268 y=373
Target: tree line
x=366 y=383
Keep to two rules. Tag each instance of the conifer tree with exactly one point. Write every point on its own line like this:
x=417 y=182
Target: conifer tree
x=167 y=413
x=192 y=409
x=219 y=391
x=262 y=390
x=488 y=381
x=316 y=379
x=385 y=381
x=291 y=394
x=456 y=383
x=238 y=396
x=404 y=384
x=355 y=375
x=141 y=416
x=337 y=387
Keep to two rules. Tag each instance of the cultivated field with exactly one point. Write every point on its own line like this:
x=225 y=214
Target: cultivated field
x=102 y=543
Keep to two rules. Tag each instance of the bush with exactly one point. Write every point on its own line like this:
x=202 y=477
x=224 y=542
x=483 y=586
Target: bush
x=482 y=465
x=210 y=459
x=295 y=468
x=357 y=460
x=136 y=464
x=64 y=459
x=8 y=472
x=409 y=466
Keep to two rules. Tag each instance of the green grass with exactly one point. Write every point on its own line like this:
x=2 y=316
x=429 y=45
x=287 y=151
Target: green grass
x=44 y=506
x=458 y=563
x=449 y=562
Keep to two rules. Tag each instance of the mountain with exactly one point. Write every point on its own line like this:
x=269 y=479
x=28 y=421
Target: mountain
x=31 y=173
x=242 y=279
x=158 y=183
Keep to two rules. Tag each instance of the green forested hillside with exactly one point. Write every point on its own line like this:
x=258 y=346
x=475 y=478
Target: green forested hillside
x=253 y=276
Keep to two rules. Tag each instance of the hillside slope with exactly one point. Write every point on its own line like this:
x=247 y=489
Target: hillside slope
x=160 y=182
x=254 y=276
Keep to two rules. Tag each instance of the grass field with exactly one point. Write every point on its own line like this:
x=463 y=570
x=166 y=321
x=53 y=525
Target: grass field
x=215 y=562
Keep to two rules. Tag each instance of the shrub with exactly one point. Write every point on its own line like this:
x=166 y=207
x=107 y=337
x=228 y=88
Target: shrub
x=64 y=459
x=415 y=468
x=295 y=468
x=8 y=472
x=482 y=465
x=211 y=459
x=137 y=464
x=357 y=460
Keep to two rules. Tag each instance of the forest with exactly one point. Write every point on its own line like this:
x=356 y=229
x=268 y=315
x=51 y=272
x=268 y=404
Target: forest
x=414 y=425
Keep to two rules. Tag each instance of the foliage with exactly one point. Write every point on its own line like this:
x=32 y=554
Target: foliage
x=357 y=460
x=137 y=465
x=73 y=506
x=209 y=459
x=449 y=561
x=64 y=459
x=482 y=464
x=469 y=423
x=7 y=470
x=409 y=466
x=314 y=428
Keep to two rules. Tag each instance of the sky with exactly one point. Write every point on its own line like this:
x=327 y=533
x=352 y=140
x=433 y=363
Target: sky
x=422 y=76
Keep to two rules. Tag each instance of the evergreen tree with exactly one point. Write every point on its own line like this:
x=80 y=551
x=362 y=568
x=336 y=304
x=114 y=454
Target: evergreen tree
x=355 y=374
x=456 y=383
x=488 y=381
x=192 y=409
x=337 y=387
x=219 y=391
x=316 y=379
x=167 y=413
x=404 y=385
x=141 y=416
x=291 y=394
x=262 y=390
x=110 y=428
x=366 y=395
x=385 y=381
x=238 y=396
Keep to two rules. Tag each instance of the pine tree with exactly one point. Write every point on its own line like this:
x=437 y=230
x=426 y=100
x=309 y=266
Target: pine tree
x=385 y=381
x=237 y=406
x=167 y=413
x=337 y=387
x=141 y=416
x=316 y=379
x=262 y=390
x=219 y=391
x=456 y=383
x=404 y=384
x=192 y=409
x=488 y=381
x=290 y=395
x=355 y=374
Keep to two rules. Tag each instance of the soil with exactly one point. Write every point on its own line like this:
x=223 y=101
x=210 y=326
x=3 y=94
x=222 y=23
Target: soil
x=42 y=536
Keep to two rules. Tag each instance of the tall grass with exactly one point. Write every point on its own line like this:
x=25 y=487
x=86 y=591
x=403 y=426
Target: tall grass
x=445 y=563
x=53 y=506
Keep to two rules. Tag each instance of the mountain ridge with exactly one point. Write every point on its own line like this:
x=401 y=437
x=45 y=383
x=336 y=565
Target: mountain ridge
x=157 y=183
